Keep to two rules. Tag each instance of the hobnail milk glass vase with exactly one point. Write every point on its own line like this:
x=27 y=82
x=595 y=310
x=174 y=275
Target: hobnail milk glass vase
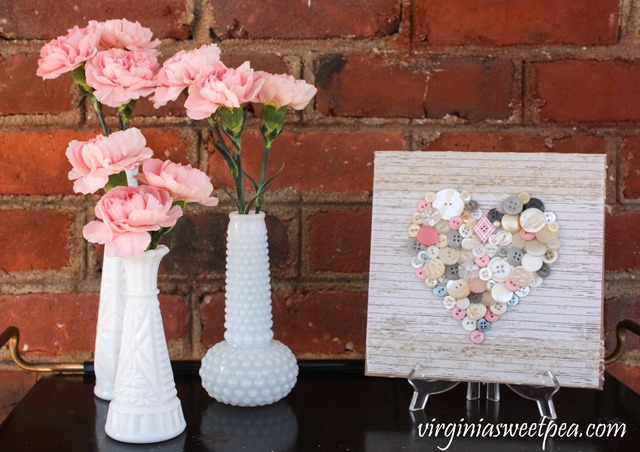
x=109 y=324
x=145 y=406
x=248 y=368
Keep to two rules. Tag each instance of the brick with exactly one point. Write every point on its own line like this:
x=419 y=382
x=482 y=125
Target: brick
x=260 y=19
x=363 y=85
x=41 y=19
x=622 y=242
x=304 y=321
x=198 y=245
x=320 y=161
x=513 y=142
x=339 y=240
x=368 y=85
x=630 y=163
x=65 y=324
x=322 y=323
x=470 y=89
x=590 y=91
x=259 y=61
x=23 y=92
x=473 y=22
x=166 y=144
x=34 y=239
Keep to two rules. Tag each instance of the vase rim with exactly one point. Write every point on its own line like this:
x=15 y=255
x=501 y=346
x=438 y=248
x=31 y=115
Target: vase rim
x=246 y=216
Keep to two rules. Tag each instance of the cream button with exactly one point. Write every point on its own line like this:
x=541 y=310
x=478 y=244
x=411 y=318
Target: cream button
x=487 y=299
x=498 y=308
x=416 y=218
x=430 y=216
x=554 y=244
x=524 y=197
x=449 y=256
x=521 y=276
x=546 y=236
x=532 y=220
x=458 y=289
x=550 y=256
x=468 y=324
x=501 y=293
x=449 y=203
x=553 y=227
x=431 y=283
x=476 y=311
x=432 y=251
x=518 y=241
x=510 y=223
x=535 y=247
x=443 y=227
x=532 y=263
x=434 y=268
x=430 y=196
x=442 y=241
x=413 y=229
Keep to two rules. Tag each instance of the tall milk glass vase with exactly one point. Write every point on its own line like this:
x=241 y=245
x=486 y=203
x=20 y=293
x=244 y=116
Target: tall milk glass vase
x=145 y=406
x=248 y=368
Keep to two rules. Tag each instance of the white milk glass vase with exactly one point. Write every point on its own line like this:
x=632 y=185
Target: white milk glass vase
x=110 y=315
x=145 y=406
x=248 y=368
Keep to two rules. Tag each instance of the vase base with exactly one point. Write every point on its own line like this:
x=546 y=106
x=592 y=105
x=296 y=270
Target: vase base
x=249 y=376
x=145 y=424
x=103 y=393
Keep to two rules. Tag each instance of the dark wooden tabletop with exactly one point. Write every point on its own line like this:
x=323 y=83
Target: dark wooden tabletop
x=335 y=409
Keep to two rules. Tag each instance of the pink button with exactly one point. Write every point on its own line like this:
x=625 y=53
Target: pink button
x=477 y=337
x=482 y=261
x=510 y=285
x=456 y=222
x=477 y=285
x=527 y=235
x=491 y=317
x=423 y=205
x=428 y=235
x=421 y=274
x=458 y=313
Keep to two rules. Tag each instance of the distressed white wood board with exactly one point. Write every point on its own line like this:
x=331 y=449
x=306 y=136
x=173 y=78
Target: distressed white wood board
x=557 y=327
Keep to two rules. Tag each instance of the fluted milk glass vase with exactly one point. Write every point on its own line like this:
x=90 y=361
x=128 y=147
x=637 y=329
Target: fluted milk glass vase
x=145 y=406
x=248 y=368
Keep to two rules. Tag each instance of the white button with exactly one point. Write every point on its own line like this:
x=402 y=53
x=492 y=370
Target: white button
x=500 y=269
x=504 y=237
x=532 y=220
x=484 y=274
x=477 y=214
x=449 y=302
x=494 y=240
x=489 y=286
x=467 y=243
x=430 y=216
x=550 y=217
x=479 y=251
x=500 y=293
x=490 y=249
x=416 y=262
x=531 y=263
x=465 y=231
x=463 y=303
x=521 y=276
x=458 y=289
x=536 y=281
x=498 y=308
x=449 y=203
x=465 y=195
x=433 y=251
x=468 y=324
x=523 y=292
x=535 y=247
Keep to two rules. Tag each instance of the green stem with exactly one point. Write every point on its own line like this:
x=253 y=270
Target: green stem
x=263 y=173
x=97 y=106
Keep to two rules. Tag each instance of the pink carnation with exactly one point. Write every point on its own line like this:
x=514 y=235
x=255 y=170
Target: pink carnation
x=120 y=76
x=179 y=71
x=284 y=90
x=243 y=83
x=183 y=182
x=95 y=160
x=208 y=92
x=128 y=214
x=124 y=34
x=68 y=52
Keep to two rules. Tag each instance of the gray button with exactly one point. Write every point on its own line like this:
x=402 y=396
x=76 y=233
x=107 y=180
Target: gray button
x=503 y=251
x=471 y=206
x=512 y=205
x=514 y=256
x=454 y=239
x=475 y=297
x=451 y=272
x=494 y=215
x=415 y=247
x=544 y=271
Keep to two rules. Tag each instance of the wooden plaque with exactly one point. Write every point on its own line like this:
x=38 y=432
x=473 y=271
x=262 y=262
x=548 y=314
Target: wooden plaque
x=557 y=327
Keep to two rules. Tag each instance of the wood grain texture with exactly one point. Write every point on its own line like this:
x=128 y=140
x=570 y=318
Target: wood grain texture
x=558 y=327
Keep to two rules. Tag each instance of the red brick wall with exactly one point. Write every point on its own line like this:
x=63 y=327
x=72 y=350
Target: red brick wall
x=484 y=75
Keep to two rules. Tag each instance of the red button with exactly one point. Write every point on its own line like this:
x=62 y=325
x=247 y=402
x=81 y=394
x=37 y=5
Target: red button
x=527 y=235
x=427 y=235
x=491 y=317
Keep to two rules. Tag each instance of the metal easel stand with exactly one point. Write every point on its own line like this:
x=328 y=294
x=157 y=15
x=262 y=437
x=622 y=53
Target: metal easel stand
x=542 y=395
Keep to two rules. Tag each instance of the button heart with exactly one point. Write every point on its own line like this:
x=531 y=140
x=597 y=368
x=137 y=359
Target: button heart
x=481 y=260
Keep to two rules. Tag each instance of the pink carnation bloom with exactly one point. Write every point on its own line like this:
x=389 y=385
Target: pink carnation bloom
x=119 y=76
x=179 y=71
x=124 y=34
x=182 y=181
x=128 y=214
x=68 y=52
x=243 y=82
x=208 y=92
x=95 y=160
x=284 y=90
